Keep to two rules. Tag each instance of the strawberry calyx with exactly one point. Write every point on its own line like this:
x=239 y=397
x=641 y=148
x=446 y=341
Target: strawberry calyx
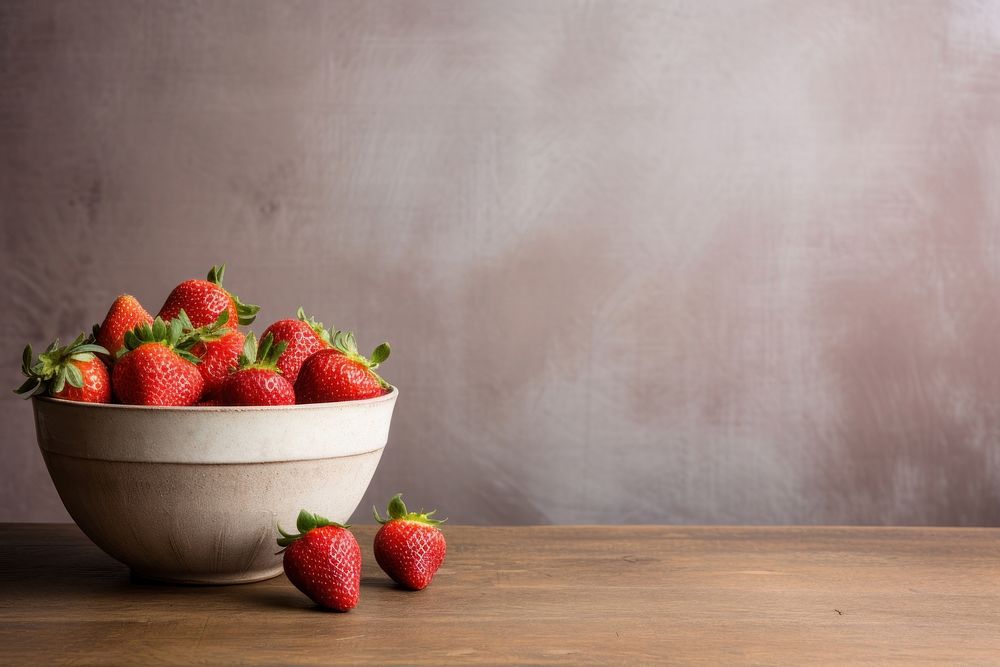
x=54 y=367
x=345 y=342
x=306 y=522
x=321 y=331
x=397 y=512
x=246 y=313
x=178 y=334
x=265 y=356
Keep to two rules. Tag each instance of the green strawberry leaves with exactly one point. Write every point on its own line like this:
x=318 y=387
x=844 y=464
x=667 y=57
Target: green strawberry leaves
x=246 y=313
x=215 y=274
x=178 y=334
x=305 y=522
x=74 y=376
x=54 y=367
x=30 y=387
x=379 y=354
x=348 y=345
x=249 y=354
x=265 y=356
x=397 y=511
x=321 y=331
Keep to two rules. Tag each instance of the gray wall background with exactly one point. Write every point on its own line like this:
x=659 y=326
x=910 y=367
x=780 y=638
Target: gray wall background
x=639 y=262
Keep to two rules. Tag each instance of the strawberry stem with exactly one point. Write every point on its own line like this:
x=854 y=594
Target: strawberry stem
x=305 y=522
x=397 y=512
x=246 y=313
x=265 y=356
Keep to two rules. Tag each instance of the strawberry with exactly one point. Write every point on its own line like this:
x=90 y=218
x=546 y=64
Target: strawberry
x=209 y=402
x=204 y=300
x=258 y=380
x=323 y=561
x=218 y=358
x=157 y=367
x=74 y=372
x=409 y=546
x=304 y=337
x=124 y=315
x=341 y=373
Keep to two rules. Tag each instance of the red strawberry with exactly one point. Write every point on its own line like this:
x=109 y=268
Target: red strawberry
x=323 y=561
x=208 y=402
x=158 y=367
x=341 y=373
x=73 y=372
x=124 y=315
x=258 y=380
x=204 y=300
x=409 y=546
x=304 y=336
x=218 y=359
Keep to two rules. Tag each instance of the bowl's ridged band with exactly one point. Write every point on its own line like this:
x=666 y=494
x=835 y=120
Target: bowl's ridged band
x=213 y=435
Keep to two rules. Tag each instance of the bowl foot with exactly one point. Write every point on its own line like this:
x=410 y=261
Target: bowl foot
x=207 y=579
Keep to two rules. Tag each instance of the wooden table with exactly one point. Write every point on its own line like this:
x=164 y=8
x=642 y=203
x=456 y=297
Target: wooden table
x=550 y=595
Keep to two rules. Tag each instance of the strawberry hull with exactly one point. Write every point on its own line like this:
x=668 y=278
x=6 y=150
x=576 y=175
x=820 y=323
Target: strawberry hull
x=194 y=494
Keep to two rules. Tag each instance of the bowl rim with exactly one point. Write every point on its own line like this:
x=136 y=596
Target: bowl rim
x=388 y=396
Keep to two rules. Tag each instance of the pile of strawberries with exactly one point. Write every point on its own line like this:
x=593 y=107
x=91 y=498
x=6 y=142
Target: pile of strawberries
x=193 y=353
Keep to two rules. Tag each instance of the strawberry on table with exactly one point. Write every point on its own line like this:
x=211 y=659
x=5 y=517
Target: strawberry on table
x=124 y=315
x=204 y=300
x=323 y=561
x=73 y=372
x=409 y=546
x=258 y=381
x=341 y=373
x=157 y=366
x=305 y=336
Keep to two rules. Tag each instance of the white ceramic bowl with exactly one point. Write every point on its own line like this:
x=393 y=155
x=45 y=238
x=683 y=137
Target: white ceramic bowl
x=194 y=495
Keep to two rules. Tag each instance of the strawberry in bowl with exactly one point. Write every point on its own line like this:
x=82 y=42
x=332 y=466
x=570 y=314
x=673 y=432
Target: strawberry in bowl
x=73 y=372
x=341 y=373
x=258 y=380
x=303 y=337
x=205 y=300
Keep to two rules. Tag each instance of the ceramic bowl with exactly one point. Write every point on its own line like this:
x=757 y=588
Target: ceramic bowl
x=194 y=495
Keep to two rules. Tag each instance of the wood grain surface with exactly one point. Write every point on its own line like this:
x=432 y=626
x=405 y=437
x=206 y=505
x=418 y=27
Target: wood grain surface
x=550 y=595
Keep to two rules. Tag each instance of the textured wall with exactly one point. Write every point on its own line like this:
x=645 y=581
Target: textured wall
x=641 y=262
